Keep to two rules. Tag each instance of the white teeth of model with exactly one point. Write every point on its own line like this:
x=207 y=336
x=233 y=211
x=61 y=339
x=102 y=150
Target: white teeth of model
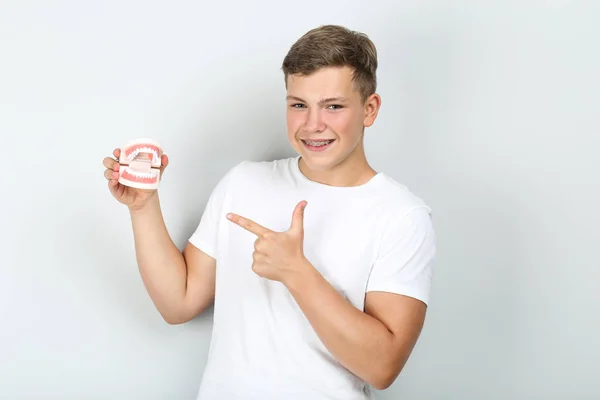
x=132 y=155
x=135 y=153
x=317 y=143
x=141 y=174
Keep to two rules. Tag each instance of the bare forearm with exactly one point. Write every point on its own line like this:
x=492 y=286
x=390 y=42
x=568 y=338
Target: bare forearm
x=358 y=341
x=161 y=264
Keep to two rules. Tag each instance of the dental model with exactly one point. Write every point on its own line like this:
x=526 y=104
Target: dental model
x=140 y=162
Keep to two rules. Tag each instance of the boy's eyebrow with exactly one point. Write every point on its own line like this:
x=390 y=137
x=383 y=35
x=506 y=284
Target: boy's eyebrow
x=322 y=101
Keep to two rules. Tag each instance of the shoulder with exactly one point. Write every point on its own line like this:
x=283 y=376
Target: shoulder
x=405 y=243
x=398 y=202
x=405 y=220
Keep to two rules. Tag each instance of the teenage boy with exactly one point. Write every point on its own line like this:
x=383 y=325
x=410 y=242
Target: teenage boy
x=319 y=266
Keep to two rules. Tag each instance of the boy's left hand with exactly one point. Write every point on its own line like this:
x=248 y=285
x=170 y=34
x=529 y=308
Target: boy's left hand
x=277 y=255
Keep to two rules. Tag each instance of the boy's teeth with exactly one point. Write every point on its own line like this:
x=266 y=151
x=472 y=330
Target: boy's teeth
x=318 y=143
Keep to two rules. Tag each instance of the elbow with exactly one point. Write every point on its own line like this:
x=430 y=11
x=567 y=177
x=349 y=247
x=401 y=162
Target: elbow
x=171 y=320
x=175 y=313
x=174 y=318
x=385 y=376
x=383 y=382
x=384 y=373
x=181 y=315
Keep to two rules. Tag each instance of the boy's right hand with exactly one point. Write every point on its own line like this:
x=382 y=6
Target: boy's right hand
x=133 y=198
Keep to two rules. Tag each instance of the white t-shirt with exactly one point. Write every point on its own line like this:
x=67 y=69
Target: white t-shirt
x=373 y=237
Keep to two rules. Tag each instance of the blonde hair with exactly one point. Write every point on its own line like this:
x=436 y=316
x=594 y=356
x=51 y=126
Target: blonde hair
x=334 y=46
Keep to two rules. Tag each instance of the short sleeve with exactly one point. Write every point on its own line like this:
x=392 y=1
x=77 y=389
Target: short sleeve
x=206 y=235
x=406 y=255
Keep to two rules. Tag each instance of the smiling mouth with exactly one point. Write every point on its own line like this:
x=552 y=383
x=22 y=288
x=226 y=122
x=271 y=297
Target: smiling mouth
x=140 y=164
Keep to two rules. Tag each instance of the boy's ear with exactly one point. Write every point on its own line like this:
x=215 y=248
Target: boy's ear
x=372 y=105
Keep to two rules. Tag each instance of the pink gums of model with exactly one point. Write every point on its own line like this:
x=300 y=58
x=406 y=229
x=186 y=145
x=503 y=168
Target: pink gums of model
x=140 y=162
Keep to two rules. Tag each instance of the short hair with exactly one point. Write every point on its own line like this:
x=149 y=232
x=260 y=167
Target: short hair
x=334 y=46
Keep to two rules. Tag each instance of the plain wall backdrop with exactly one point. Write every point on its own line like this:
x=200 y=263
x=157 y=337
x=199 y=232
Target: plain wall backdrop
x=490 y=113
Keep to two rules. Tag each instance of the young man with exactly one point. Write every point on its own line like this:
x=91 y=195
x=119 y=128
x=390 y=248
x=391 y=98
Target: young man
x=319 y=267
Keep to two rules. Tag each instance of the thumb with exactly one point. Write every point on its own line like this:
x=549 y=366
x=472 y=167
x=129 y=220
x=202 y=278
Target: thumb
x=298 y=217
x=164 y=161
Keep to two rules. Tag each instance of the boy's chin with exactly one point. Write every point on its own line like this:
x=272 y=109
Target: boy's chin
x=322 y=163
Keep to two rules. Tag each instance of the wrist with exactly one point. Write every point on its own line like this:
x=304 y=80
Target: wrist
x=148 y=207
x=301 y=278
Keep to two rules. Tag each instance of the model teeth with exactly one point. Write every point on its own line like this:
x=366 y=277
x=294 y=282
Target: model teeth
x=140 y=174
x=139 y=150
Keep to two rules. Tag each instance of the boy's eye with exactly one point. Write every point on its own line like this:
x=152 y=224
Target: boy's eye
x=331 y=106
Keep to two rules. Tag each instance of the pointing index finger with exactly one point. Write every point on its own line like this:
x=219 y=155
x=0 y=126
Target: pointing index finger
x=248 y=224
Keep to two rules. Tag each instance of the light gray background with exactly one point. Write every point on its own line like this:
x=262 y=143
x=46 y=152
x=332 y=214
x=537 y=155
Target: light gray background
x=490 y=113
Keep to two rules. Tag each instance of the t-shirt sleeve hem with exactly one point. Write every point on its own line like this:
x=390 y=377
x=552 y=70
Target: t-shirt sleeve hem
x=203 y=246
x=400 y=289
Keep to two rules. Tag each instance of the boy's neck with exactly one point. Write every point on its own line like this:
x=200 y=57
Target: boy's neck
x=353 y=171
